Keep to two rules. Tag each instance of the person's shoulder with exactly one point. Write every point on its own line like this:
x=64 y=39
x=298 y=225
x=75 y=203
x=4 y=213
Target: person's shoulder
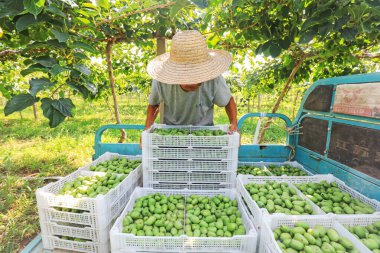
x=215 y=81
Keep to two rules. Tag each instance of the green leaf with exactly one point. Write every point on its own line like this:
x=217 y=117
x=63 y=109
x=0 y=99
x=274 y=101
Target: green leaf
x=349 y=34
x=56 y=43
x=56 y=110
x=34 y=6
x=55 y=117
x=177 y=7
x=64 y=106
x=285 y=43
x=19 y=103
x=103 y=4
x=38 y=84
x=54 y=10
x=274 y=50
x=11 y=8
x=82 y=68
x=24 y=22
x=4 y=91
x=46 y=61
x=81 y=56
x=56 y=69
x=263 y=47
x=307 y=36
x=84 y=46
x=60 y=36
x=309 y=23
x=34 y=68
x=200 y=3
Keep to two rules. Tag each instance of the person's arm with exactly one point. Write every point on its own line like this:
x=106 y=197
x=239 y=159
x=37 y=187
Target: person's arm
x=151 y=115
x=232 y=114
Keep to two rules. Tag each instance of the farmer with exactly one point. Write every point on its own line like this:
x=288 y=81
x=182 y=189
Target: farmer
x=188 y=81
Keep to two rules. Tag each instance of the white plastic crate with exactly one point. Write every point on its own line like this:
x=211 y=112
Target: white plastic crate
x=149 y=138
x=122 y=242
x=190 y=165
x=108 y=156
x=222 y=177
x=268 y=242
x=256 y=211
x=329 y=178
x=265 y=165
x=47 y=196
x=87 y=233
x=54 y=242
x=358 y=220
x=92 y=220
x=213 y=154
x=188 y=186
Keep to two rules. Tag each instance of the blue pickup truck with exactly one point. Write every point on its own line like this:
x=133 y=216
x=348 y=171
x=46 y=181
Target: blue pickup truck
x=336 y=131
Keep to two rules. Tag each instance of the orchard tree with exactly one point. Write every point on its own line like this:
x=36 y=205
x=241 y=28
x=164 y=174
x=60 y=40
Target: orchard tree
x=301 y=40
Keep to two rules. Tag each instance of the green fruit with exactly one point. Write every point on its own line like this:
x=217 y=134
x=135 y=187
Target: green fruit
x=337 y=246
x=297 y=245
x=371 y=244
x=333 y=235
x=301 y=238
x=302 y=224
x=361 y=232
x=346 y=243
x=312 y=249
x=310 y=239
x=327 y=248
x=285 y=236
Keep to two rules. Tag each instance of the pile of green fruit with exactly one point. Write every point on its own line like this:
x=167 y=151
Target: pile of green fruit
x=302 y=238
x=160 y=215
x=71 y=210
x=207 y=132
x=286 y=170
x=116 y=165
x=73 y=239
x=171 y=131
x=278 y=198
x=213 y=217
x=369 y=235
x=252 y=170
x=156 y=215
x=91 y=186
x=331 y=199
x=179 y=132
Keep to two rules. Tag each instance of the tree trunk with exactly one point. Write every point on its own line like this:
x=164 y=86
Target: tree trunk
x=248 y=105
x=161 y=49
x=110 y=43
x=286 y=88
x=295 y=104
x=35 y=112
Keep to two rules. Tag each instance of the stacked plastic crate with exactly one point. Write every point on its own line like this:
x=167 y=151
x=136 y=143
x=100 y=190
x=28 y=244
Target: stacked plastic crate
x=189 y=157
x=83 y=223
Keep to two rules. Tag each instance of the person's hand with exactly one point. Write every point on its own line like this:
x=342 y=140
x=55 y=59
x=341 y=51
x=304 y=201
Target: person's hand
x=233 y=128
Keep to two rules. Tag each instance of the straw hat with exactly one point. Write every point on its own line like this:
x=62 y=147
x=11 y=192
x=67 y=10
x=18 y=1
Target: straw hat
x=189 y=61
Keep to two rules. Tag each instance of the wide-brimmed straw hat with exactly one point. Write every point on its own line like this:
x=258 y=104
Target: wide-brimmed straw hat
x=189 y=61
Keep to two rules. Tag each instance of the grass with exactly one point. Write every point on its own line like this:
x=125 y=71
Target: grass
x=30 y=151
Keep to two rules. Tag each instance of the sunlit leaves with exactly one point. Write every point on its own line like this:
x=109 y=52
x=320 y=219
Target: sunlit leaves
x=34 y=6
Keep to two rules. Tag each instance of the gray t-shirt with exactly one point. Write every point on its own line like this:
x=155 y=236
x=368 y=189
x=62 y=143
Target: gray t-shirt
x=190 y=108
